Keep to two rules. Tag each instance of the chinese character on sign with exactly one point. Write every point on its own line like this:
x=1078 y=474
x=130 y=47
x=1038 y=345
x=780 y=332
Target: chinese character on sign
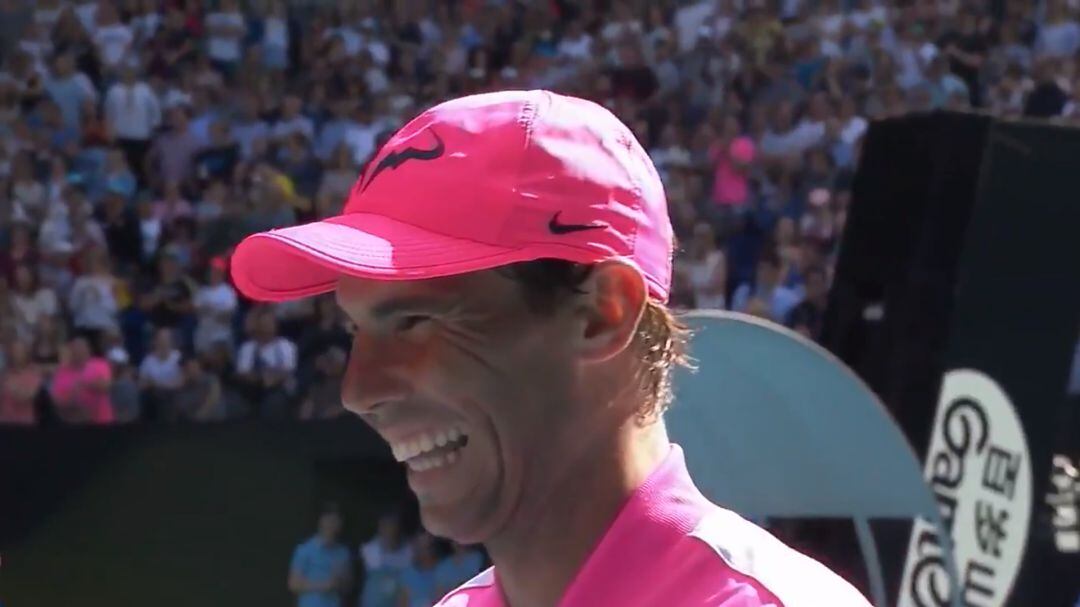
x=999 y=473
x=990 y=527
x=978 y=589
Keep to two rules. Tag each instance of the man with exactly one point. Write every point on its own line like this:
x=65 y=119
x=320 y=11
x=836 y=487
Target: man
x=807 y=316
x=266 y=366
x=132 y=113
x=505 y=260
x=320 y=571
x=768 y=287
x=384 y=557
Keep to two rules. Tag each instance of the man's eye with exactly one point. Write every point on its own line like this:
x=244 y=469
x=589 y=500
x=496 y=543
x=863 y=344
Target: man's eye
x=412 y=321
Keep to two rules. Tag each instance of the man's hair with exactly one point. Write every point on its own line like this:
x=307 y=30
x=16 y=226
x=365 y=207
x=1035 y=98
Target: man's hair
x=661 y=339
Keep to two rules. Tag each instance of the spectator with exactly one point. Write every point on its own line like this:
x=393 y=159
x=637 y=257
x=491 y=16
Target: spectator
x=249 y=127
x=1047 y=98
x=145 y=21
x=124 y=391
x=180 y=243
x=225 y=29
x=199 y=398
x=732 y=156
x=133 y=112
x=460 y=566
x=93 y=299
x=167 y=300
x=777 y=299
x=298 y=162
x=418 y=580
x=54 y=271
x=21 y=381
x=362 y=133
x=1059 y=35
x=275 y=43
x=58 y=137
x=338 y=178
x=121 y=229
x=70 y=35
x=817 y=223
x=326 y=330
x=111 y=36
x=320 y=570
x=70 y=89
x=81 y=386
x=173 y=47
x=265 y=366
x=160 y=376
x=323 y=398
x=807 y=316
x=31 y=302
x=48 y=343
x=212 y=206
x=943 y=84
x=150 y=230
x=384 y=558
x=172 y=205
x=706 y=269
x=218 y=159
x=171 y=155
x=292 y=121
x=119 y=179
x=28 y=195
x=274 y=200
x=215 y=305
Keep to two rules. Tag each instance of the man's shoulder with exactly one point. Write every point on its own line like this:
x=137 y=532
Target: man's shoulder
x=762 y=563
x=480 y=591
x=306 y=546
x=313 y=545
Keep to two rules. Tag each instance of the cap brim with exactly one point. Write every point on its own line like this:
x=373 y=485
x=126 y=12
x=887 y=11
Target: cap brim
x=308 y=259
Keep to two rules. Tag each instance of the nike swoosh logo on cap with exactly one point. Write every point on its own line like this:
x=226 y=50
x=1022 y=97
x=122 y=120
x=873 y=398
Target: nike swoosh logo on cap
x=570 y=228
x=399 y=157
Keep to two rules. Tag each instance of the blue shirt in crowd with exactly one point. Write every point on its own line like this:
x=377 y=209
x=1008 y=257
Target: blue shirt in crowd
x=454 y=571
x=318 y=562
x=420 y=584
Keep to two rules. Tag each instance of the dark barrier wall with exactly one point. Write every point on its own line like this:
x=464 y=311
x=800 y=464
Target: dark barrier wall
x=174 y=517
x=968 y=334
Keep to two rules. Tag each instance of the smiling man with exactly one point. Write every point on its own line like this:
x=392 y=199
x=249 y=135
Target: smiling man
x=505 y=260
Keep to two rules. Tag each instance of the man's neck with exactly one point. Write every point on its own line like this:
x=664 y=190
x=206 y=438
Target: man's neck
x=538 y=559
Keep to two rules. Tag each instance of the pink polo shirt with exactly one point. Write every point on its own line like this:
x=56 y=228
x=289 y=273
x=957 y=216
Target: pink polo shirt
x=671 y=547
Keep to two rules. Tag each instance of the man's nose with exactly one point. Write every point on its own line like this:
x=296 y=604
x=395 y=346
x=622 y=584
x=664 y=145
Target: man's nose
x=373 y=377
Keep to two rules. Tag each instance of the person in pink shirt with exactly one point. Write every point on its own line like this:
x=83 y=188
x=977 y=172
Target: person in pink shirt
x=506 y=260
x=732 y=156
x=80 y=386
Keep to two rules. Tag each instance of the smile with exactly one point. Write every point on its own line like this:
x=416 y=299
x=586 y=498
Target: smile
x=431 y=449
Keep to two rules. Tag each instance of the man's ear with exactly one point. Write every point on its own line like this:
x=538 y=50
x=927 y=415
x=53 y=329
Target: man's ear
x=609 y=310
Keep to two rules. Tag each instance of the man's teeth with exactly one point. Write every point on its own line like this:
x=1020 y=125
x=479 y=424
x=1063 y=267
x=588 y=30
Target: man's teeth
x=414 y=449
x=427 y=462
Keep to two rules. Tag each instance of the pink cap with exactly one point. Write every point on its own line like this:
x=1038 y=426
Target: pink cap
x=475 y=183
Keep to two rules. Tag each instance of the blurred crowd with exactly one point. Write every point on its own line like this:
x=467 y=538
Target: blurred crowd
x=140 y=140
x=389 y=570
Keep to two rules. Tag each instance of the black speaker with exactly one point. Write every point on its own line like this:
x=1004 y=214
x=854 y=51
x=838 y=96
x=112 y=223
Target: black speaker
x=960 y=260
x=911 y=200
